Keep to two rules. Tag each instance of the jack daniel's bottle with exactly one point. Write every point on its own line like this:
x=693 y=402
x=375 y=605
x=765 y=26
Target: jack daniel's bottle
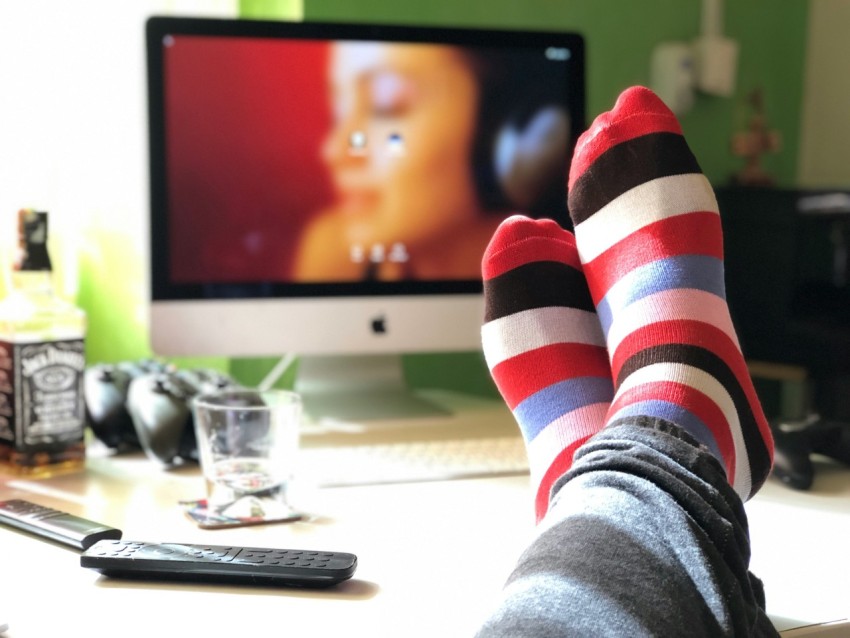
x=42 y=361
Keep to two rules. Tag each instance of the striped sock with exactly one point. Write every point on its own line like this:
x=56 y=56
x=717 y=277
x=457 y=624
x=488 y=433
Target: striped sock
x=648 y=233
x=543 y=344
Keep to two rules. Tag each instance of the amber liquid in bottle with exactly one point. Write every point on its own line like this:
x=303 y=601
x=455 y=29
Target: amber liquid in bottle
x=42 y=362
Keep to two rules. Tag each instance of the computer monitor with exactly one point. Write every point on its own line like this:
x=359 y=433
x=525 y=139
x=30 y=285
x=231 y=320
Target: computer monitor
x=328 y=190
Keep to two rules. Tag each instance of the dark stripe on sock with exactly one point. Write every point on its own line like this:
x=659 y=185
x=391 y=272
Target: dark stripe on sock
x=535 y=285
x=626 y=165
x=715 y=366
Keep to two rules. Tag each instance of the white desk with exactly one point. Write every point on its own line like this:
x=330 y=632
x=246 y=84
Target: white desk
x=432 y=557
x=801 y=547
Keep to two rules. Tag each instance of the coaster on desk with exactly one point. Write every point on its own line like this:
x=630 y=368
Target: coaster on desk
x=248 y=510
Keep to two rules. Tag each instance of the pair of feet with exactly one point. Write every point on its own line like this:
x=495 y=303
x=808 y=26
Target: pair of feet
x=627 y=316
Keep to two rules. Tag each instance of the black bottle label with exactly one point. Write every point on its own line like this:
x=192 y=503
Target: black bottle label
x=41 y=393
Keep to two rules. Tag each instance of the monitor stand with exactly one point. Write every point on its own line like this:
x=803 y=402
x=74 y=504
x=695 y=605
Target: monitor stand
x=357 y=388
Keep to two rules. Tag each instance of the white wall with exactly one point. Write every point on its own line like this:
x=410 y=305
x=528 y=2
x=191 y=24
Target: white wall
x=825 y=133
x=73 y=117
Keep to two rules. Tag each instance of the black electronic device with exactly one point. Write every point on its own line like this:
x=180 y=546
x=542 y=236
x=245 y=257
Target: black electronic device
x=74 y=531
x=105 y=388
x=792 y=463
x=160 y=407
x=789 y=292
x=219 y=563
x=789 y=296
x=795 y=443
x=345 y=226
x=147 y=405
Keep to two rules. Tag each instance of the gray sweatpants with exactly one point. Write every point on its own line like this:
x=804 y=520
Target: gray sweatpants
x=644 y=537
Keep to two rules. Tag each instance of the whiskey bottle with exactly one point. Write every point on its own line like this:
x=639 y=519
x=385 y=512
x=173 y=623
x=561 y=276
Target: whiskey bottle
x=42 y=362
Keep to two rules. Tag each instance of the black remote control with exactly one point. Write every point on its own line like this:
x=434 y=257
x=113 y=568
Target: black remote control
x=75 y=531
x=219 y=563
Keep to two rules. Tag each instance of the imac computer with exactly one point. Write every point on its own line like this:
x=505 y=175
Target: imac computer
x=328 y=190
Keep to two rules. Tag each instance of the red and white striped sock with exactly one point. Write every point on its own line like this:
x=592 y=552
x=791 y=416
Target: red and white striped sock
x=543 y=344
x=649 y=237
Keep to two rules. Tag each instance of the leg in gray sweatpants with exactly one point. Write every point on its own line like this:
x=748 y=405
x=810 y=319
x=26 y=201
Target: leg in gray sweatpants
x=644 y=537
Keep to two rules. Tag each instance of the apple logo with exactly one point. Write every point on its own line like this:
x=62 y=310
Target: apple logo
x=379 y=325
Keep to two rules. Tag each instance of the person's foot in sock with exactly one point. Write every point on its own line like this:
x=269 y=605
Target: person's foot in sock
x=648 y=232
x=544 y=345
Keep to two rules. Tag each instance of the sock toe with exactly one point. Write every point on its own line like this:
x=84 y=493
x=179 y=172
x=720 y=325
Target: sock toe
x=637 y=112
x=520 y=240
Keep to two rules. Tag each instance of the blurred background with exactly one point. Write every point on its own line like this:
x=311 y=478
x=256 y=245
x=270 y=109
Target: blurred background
x=73 y=128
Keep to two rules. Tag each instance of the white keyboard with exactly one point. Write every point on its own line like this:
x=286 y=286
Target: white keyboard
x=414 y=461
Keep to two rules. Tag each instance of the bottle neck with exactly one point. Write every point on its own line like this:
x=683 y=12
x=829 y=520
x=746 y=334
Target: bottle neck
x=33 y=281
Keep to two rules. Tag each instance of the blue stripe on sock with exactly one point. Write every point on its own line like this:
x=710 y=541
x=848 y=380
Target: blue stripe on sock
x=699 y=272
x=541 y=408
x=675 y=413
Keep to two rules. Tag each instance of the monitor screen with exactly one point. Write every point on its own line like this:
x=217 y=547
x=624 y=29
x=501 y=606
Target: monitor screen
x=330 y=188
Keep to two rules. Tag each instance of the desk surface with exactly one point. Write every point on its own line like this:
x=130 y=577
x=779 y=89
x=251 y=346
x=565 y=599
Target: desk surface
x=432 y=557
